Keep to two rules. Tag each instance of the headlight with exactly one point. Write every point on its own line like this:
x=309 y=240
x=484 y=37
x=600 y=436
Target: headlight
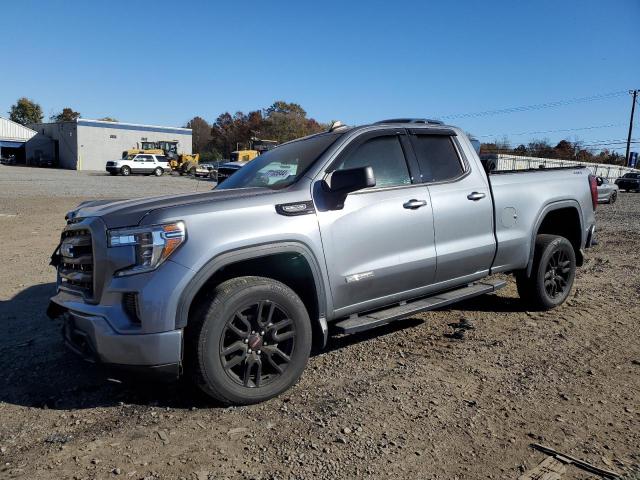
x=153 y=244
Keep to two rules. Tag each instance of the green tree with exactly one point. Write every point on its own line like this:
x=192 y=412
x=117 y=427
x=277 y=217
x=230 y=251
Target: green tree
x=26 y=111
x=200 y=134
x=66 y=115
x=288 y=121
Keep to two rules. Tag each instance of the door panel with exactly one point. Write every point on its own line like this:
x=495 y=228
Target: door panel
x=465 y=243
x=462 y=207
x=375 y=247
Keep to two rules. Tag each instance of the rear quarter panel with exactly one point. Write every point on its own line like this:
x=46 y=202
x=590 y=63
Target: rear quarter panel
x=522 y=199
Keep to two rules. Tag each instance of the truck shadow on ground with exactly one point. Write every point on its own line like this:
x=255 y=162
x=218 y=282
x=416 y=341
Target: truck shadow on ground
x=491 y=303
x=37 y=370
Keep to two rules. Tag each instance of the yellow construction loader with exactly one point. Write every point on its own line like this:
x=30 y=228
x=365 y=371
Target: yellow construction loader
x=180 y=162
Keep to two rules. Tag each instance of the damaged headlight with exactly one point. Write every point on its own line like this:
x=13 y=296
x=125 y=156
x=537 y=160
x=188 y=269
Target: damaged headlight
x=153 y=244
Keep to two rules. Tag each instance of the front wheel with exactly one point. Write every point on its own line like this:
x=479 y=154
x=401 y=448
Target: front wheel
x=249 y=341
x=613 y=197
x=552 y=275
x=126 y=171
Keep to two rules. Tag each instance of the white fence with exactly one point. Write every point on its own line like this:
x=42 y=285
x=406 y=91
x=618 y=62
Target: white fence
x=513 y=162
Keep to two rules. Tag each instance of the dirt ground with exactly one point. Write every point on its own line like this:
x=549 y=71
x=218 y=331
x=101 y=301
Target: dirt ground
x=406 y=401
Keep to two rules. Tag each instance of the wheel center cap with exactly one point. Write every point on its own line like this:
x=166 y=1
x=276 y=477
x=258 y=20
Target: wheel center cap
x=255 y=342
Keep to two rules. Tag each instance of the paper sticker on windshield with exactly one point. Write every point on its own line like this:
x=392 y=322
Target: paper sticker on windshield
x=277 y=173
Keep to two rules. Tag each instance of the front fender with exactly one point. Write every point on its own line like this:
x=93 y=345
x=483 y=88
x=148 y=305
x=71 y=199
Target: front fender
x=247 y=253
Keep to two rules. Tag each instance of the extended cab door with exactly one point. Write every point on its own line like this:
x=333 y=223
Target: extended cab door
x=379 y=248
x=462 y=205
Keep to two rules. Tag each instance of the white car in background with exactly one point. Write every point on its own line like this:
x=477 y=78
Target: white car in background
x=143 y=163
x=205 y=170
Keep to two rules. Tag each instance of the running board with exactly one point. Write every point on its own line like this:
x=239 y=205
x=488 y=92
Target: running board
x=367 y=321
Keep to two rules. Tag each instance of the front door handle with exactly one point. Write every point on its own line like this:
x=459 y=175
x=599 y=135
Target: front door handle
x=413 y=204
x=475 y=196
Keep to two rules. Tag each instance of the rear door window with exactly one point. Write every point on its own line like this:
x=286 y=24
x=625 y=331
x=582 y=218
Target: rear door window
x=437 y=157
x=384 y=155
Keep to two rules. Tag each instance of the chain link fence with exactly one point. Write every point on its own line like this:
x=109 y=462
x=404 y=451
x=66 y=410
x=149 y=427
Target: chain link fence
x=513 y=162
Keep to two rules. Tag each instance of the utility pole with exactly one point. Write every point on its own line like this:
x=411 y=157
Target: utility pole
x=633 y=109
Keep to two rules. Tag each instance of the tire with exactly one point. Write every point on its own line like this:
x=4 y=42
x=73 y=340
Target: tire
x=613 y=197
x=552 y=275
x=221 y=346
x=125 y=170
x=158 y=172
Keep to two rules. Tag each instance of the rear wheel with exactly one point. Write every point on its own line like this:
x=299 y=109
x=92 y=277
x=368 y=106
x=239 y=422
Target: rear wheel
x=249 y=341
x=158 y=172
x=125 y=170
x=552 y=275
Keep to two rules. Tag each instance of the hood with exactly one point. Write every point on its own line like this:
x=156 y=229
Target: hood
x=126 y=213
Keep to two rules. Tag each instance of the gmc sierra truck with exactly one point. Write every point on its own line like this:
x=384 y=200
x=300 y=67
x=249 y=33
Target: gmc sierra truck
x=345 y=231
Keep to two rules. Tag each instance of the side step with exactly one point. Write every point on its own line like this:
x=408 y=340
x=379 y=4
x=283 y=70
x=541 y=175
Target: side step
x=382 y=317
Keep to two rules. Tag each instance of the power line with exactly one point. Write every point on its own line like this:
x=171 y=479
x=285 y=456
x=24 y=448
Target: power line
x=540 y=132
x=539 y=106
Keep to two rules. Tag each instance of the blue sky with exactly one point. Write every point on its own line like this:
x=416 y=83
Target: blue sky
x=164 y=62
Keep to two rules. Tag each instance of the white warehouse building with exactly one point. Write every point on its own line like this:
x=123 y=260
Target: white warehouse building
x=85 y=144
x=13 y=138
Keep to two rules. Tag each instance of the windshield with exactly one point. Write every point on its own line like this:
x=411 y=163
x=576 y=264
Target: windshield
x=282 y=166
x=631 y=175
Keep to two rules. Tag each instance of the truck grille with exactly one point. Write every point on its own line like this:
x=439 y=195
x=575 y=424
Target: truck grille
x=76 y=261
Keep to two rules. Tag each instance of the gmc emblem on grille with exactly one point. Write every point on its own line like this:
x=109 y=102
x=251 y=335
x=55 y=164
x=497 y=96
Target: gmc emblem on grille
x=66 y=250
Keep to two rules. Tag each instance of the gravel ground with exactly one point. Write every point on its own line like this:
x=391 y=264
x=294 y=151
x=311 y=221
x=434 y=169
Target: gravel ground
x=407 y=401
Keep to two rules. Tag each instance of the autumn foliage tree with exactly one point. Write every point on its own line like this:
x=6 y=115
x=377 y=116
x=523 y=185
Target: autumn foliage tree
x=563 y=150
x=281 y=122
x=66 y=115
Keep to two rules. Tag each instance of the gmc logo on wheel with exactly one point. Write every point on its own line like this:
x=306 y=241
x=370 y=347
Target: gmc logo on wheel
x=66 y=250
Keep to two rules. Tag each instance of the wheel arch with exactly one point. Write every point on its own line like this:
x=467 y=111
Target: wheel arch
x=559 y=218
x=282 y=261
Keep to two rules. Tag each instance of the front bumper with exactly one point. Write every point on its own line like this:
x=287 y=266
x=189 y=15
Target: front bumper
x=93 y=339
x=112 y=169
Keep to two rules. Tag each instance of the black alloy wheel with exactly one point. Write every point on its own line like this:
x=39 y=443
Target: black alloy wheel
x=247 y=340
x=257 y=344
x=552 y=273
x=557 y=274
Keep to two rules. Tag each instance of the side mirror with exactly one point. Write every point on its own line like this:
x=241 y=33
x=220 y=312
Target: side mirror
x=351 y=180
x=599 y=181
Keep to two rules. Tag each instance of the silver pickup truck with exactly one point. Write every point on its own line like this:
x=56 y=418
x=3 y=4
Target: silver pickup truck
x=345 y=230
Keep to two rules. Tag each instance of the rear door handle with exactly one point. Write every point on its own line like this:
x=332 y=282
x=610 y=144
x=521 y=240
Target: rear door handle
x=475 y=196
x=413 y=204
